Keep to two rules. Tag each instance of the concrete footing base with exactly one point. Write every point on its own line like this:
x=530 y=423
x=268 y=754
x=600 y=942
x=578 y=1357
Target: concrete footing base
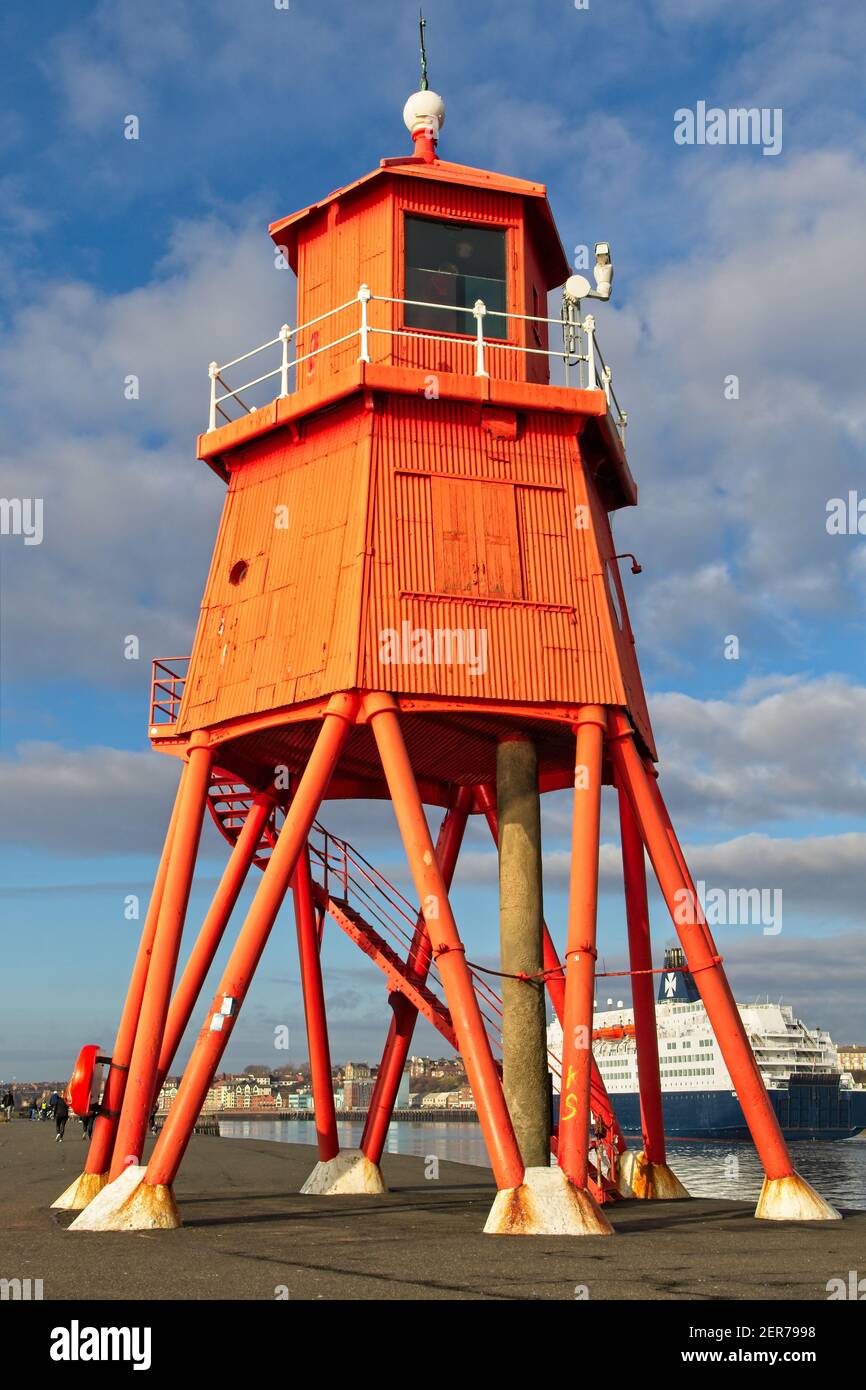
x=639 y=1178
x=81 y=1193
x=793 y=1199
x=350 y=1173
x=127 y=1204
x=546 y=1204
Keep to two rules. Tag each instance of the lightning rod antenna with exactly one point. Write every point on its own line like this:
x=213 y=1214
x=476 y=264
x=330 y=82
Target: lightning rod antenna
x=422 y=25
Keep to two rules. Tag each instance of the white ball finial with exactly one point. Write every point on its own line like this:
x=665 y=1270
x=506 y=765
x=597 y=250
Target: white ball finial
x=424 y=111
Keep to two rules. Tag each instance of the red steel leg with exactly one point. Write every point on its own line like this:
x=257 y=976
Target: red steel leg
x=573 y=1145
x=481 y=1070
x=402 y=1027
x=314 y=1009
x=697 y=942
x=211 y=934
x=643 y=995
x=105 y=1124
x=138 y=1099
x=212 y=1040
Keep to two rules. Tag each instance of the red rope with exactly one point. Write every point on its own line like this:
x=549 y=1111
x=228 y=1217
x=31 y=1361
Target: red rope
x=662 y=970
x=559 y=972
x=506 y=975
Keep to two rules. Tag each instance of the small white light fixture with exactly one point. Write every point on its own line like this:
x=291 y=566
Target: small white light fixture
x=424 y=111
x=602 y=271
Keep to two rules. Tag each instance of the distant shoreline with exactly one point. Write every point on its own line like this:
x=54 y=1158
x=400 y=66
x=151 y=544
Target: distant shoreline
x=427 y=1114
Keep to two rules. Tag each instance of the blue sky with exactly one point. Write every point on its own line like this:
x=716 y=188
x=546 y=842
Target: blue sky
x=151 y=257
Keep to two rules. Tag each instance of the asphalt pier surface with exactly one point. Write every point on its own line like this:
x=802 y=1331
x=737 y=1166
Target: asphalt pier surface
x=249 y=1234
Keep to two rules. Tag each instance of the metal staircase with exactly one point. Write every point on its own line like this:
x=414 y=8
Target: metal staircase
x=388 y=961
x=381 y=921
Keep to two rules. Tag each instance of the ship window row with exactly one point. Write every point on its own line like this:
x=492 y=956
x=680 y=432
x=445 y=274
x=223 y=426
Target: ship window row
x=630 y=1060
x=678 y=1075
x=664 y=1071
x=687 y=1071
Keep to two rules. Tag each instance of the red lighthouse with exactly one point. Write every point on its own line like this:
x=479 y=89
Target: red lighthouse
x=414 y=569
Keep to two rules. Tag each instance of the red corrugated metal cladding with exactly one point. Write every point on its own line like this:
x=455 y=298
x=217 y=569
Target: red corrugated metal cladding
x=401 y=544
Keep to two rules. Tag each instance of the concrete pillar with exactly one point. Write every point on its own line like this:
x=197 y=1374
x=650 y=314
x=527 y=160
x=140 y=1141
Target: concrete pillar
x=521 y=926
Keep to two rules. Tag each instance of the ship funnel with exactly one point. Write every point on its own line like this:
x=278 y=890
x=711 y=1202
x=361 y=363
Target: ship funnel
x=676 y=985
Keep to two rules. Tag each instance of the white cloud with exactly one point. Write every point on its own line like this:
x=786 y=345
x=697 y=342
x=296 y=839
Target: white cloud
x=819 y=875
x=129 y=515
x=783 y=749
x=731 y=526
x=92 y=801
x=100 y=801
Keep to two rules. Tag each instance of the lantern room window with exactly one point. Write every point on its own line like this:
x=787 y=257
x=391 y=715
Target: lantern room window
x=452 y=264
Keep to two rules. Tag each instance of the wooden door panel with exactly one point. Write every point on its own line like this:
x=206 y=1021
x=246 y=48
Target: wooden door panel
x=498 y=551
x=453 y=536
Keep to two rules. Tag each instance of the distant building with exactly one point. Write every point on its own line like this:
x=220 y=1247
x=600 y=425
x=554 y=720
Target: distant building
x=167 y=1095
x=236 y=1093
x=357 y=1092
x=439 y=1100
x=852 y=1057
x=266 y=1100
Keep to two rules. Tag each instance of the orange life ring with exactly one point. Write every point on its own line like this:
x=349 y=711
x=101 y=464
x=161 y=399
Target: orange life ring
x=79 y=1092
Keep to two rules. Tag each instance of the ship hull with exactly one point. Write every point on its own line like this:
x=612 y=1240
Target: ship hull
x=717 y=1116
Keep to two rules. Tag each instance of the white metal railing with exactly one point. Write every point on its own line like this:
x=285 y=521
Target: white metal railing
x=578 y=351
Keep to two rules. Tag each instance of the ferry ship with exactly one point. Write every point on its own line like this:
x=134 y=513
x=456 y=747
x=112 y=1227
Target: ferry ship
x=811 y=1095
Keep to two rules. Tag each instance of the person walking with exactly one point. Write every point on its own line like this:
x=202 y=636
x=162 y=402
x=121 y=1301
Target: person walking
x=87 y=1124
x=61 y=1115
x=8 y=1104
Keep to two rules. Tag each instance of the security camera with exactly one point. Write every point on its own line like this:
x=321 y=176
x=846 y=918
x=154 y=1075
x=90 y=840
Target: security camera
x=602 y=271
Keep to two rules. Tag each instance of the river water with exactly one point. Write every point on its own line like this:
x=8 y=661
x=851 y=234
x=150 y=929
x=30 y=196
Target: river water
x=837 y=1169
